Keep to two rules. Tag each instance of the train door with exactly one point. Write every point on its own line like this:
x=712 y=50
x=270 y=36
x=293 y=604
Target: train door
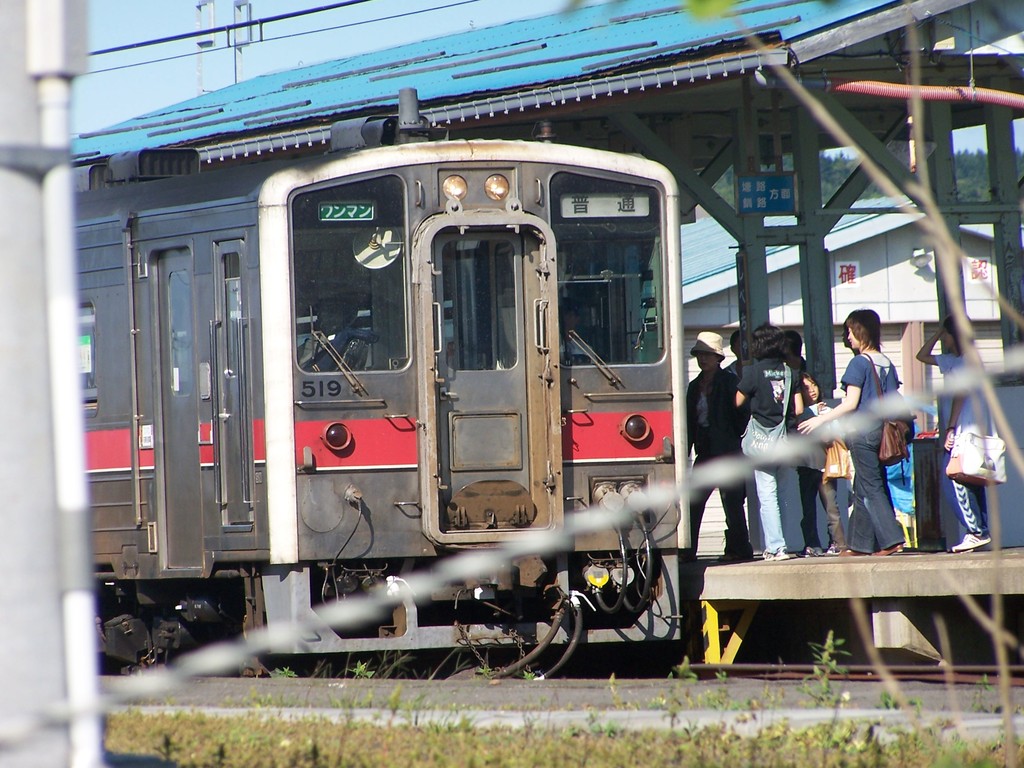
x=177 y=446
x=231 y=394
x=497 y=457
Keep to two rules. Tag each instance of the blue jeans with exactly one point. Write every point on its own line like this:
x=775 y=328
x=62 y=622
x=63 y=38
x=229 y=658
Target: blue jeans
x=969 y=502
x=766 y=480
x=873 y=524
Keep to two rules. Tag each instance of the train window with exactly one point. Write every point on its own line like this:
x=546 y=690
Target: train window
x=180 y=341
x=611 y=265
x=233 y=309
x=349 y=267
x=479 y=303
x=87 y=356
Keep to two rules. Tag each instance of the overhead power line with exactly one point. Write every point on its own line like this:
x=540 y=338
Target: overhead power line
x=226 y=28
x=229 y=28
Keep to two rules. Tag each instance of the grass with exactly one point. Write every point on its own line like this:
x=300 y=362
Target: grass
x=252 y=741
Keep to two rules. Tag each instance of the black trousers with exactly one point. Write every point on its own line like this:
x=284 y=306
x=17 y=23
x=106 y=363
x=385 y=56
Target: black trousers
x=814 y=486
x=737 y=537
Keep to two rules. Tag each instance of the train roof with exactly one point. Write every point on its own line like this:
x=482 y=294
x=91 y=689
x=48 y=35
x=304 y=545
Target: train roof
x=583 y=53
x=188 y=191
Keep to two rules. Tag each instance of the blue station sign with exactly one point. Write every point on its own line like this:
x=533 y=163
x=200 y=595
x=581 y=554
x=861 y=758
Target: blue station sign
x=772 y=194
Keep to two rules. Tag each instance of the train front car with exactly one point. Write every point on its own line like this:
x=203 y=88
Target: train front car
x=468 y=342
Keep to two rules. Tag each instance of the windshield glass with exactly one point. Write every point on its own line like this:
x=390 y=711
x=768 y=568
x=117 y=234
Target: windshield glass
x=610 y=274
x=349 y=261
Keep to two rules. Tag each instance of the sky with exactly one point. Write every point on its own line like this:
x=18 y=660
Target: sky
x=126 y=84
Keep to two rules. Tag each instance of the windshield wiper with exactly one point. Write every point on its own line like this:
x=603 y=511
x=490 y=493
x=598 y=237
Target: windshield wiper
x=345 y=368
x=595 y=358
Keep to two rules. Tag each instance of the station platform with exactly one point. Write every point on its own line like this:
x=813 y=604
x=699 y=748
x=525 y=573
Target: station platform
x=907 y=574
x=921 y=607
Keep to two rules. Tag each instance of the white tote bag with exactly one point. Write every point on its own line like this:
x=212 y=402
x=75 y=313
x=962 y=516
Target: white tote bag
x=977 y=459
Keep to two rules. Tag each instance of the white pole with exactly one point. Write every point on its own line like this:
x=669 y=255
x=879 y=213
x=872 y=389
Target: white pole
x=52 y=25
x=30 y=646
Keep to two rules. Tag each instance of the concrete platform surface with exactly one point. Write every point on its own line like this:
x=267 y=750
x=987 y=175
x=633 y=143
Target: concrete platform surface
x=907 y=574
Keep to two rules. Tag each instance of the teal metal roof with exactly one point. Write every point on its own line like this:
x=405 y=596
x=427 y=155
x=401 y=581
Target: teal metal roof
x=708 y=249
x=586 y=51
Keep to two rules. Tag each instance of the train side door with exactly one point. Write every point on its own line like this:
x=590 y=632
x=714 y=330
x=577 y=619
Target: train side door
x=498 y=459
x=232 y=428
x=177 y=445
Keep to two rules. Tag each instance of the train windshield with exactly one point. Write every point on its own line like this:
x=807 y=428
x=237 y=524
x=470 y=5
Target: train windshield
x=610 y=267
x=349 y=263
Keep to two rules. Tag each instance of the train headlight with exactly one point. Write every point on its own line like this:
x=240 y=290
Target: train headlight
x=635 y=428
x=454 y=187
x=496 y=187
x=336 y=436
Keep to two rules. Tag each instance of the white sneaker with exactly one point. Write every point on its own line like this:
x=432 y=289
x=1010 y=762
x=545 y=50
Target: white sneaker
x=774 y=557
x=972 y=541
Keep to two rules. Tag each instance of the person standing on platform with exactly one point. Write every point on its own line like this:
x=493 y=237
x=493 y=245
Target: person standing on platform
x=714 y=426
x=772 y=390
x=873 y=526
x=814 y=485
x=793 y=350
x=736 y=366
x=808 y=478
x=956 y=416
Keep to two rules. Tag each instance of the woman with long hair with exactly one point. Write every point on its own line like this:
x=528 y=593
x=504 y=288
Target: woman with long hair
x=773 y=390
x=873 y=527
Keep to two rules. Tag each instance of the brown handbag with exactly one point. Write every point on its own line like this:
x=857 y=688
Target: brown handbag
x=893 y=448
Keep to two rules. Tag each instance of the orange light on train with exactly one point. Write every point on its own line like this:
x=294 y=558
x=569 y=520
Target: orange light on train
x=635 y=428
x=454 y=187
x=336 y=436
x=496 y=187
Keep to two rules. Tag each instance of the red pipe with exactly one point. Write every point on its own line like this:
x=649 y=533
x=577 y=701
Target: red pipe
x=927 y=92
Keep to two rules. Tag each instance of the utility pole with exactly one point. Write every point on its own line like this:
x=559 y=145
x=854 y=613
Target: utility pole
x=46 y=592
x=242 y=35
x=205 y=19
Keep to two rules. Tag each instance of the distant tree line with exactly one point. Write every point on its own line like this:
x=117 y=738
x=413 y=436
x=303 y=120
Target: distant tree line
x=972 y=181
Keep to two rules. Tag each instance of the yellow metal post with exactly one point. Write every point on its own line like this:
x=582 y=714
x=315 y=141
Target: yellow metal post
x=712 y=629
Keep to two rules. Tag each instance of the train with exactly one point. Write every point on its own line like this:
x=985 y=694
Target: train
x=305 y=378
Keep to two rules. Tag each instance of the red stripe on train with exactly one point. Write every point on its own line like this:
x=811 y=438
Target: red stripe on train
x=392 y=442
x=377 y=442
x=111 y=449
x=108 y=450
x=598 y=436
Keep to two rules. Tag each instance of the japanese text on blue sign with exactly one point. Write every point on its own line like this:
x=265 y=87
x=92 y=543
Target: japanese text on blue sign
x=766 y=194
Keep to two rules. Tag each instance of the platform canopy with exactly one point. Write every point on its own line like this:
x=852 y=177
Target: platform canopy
x=649 y=53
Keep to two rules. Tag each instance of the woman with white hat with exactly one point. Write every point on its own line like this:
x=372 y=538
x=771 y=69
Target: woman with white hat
x=714 y=426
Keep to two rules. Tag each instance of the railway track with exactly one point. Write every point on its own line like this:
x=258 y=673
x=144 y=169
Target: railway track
x=958 y=675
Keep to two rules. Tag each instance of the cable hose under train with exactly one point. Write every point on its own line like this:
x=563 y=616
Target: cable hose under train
x=574 y=639
x=621 y=599
x=648 y=577
x=556 y=623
